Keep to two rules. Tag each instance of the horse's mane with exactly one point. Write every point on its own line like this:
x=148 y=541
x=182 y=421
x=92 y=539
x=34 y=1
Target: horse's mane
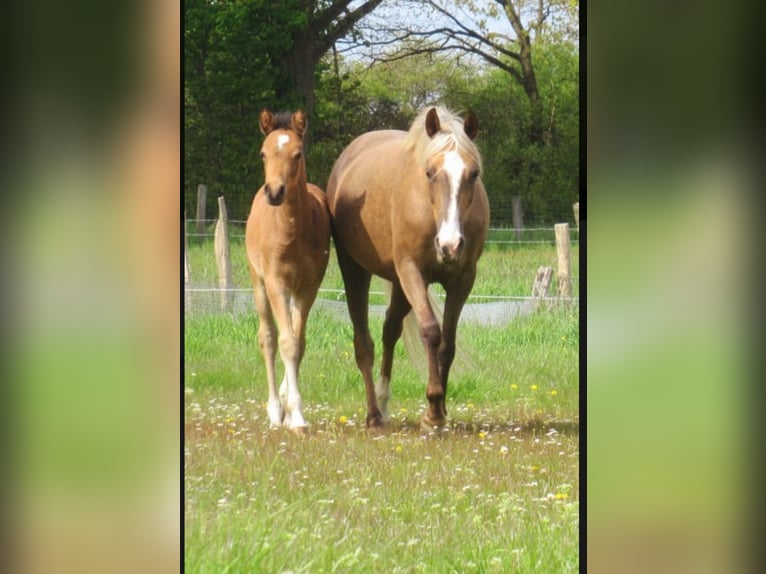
x=452 y=136
x=283 y=121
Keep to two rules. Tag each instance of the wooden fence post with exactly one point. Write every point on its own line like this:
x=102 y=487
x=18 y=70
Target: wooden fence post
x=542 y=282
x=562 y=250
x=187 y=270
x=201 y=198
x=576 y=208
x=518 y=216
x=222 y=255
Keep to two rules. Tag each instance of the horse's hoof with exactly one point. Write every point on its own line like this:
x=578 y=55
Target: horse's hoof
x=375 y=422
x=299 y=431
x=429 y=425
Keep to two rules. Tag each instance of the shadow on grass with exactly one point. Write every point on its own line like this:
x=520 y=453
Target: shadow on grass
x=398 y=427
x=531 y=428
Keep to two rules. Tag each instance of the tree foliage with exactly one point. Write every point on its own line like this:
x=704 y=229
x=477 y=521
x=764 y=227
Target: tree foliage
x=241 y=56
x=236 y=55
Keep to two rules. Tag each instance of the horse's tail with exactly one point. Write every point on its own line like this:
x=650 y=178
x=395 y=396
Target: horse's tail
x=413 y=344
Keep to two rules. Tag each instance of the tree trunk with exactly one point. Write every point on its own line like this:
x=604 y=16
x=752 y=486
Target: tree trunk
x=301 y=61
x=537 y=133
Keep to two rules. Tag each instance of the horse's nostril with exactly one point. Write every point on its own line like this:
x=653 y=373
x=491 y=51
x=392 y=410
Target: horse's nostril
x=450 y=250
x=274 y=192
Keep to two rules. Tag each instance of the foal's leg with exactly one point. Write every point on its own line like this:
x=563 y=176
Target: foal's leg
x=357 y=282
x=267 y=343
x=295 y=318
x=289 y=349
x=392 y=330
x=416 y=291
x=299 y=312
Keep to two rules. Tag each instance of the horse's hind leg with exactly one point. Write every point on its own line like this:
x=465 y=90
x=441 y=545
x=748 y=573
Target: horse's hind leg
x=357 y=282
x=267 y=343
x=392 y=330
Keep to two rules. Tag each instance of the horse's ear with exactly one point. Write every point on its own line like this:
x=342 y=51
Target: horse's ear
x=432 y=123
x=299 y=122
x=471 y=125
x=266 y=121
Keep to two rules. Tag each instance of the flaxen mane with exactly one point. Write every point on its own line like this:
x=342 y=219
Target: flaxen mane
x=452 y=137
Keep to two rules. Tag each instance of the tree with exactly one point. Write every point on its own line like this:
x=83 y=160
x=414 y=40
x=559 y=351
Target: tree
x=537 y=154
x=322 y=24
x=389 y=94
x=241 y=56
x=463 y=27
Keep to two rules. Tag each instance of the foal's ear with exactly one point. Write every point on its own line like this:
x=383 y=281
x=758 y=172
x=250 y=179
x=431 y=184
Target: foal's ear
x=299 y=122
x=266 y=121
x=471 y=125
x=432 y=123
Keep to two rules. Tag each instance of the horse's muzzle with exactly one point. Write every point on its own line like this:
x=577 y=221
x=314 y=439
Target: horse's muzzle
x=275 y=195
x=450 y=252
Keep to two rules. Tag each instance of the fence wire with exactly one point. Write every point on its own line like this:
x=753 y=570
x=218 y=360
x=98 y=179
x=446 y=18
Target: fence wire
x=483 y=310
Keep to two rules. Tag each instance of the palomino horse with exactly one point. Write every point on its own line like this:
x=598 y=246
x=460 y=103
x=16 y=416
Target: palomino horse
x=288 y=242
x=410 y=207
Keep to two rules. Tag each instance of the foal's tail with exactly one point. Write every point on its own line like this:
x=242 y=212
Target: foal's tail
x=413 y=344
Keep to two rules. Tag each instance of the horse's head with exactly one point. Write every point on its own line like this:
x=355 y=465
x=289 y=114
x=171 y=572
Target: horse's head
x=453 y=168
x=282 y=153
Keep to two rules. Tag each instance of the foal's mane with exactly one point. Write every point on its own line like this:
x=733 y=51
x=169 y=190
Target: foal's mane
x=451 y=137
x=283 y=121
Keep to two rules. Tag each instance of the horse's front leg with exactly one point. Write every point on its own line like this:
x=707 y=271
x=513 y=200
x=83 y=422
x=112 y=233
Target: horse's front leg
x=416 y=290
x=453 y=306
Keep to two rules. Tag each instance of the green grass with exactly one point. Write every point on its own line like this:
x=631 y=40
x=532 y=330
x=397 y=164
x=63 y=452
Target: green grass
x=497 y=493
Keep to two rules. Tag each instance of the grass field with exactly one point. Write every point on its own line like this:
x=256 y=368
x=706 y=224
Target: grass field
x=497 y=493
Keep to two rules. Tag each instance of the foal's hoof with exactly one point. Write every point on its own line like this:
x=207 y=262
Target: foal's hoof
x=276 y=415
x=299 y=431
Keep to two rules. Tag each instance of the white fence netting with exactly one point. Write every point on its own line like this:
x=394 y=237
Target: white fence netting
x=204 y=300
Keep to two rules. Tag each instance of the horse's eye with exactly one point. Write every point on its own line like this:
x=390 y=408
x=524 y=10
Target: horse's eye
x=474 y=173
x=430 y=173
x=297 y=154
x=263 y=155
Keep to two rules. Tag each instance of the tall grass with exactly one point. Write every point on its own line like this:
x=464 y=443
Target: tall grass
x=498 y=492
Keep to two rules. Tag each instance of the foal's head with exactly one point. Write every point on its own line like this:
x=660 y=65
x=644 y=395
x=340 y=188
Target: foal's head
x=452 y=166
x=282 y=153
